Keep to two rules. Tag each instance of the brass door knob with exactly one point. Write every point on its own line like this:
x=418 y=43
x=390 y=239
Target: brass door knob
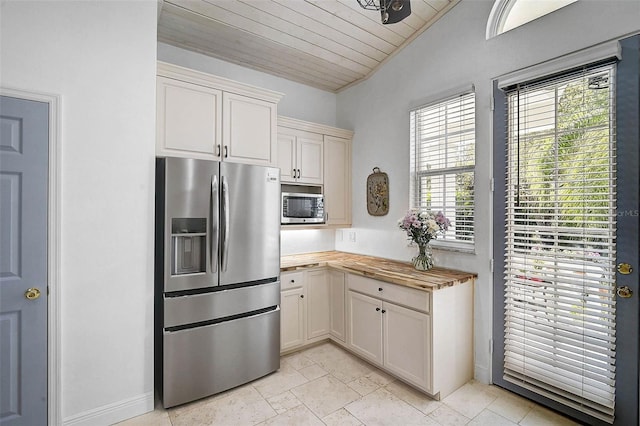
x=32 y=293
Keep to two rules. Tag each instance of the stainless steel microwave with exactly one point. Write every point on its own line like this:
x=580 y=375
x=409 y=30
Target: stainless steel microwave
x=302 y=208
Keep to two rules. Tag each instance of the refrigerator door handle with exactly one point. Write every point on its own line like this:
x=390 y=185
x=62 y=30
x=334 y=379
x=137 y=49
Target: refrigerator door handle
x=225 y=224
x=213 y=236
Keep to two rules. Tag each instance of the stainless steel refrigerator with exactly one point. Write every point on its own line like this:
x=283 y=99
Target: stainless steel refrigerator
x=217 y=269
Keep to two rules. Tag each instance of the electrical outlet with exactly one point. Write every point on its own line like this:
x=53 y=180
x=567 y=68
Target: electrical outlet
x=352 y=236
x=340 y=235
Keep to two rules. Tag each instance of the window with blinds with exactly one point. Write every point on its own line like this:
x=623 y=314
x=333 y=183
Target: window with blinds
x=560 y=238
x=443 y=162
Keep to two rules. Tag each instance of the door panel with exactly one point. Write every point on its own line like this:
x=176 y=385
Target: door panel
x=252 y=250
x=191 y=223
x=407 y=346
x=318 y=304
x=250 y=351
x=365 y=326
x=293 y=318
x=23 y=260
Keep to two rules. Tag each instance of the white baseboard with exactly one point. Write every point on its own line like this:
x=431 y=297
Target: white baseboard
x=113 y=413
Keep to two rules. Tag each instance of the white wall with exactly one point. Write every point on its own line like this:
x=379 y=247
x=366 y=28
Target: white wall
x=100 y=57
x=299 y=101
x=306 y=241
x=450 y=54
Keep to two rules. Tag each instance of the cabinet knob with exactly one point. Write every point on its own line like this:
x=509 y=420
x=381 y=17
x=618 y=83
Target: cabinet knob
x=383 y=311
x=293 y=281
x=302 y=296
x=379 y=288
x=377 y=309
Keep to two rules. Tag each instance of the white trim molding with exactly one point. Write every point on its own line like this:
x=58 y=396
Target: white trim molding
x=54 y=356
x=498 y=14
x=314 y=128
x=209 y=80
x=113 y=413
x=601 y=52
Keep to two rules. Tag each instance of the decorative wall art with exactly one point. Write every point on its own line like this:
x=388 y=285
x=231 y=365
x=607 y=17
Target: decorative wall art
x=378 y=193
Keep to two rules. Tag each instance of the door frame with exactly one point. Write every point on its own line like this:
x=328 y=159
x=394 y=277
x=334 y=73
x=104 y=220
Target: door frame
x=53 y=248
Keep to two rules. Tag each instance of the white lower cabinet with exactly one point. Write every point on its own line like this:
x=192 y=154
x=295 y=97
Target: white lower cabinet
x=407 y=343
x=424 y=338
x=318 y=301
x=391 y=336
x=365 y=326
x=292 y=318
x=309 y=307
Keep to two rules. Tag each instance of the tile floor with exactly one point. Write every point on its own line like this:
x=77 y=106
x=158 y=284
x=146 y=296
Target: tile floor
x=325 y=385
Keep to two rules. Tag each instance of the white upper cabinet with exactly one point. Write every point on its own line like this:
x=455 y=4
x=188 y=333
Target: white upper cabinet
x=189 y=118
x=315 y=154
x=300 y=156
x=208 y=117
x=337 y=181
x=249 y=130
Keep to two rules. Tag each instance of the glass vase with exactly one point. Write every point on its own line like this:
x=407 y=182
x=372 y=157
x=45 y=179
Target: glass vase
x=424 y=260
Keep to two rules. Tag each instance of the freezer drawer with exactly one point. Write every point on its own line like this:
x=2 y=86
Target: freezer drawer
x=206 y=360
x=190 y=309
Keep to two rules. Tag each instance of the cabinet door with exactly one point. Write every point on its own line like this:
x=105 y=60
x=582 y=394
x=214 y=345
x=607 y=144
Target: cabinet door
x=336 y=293
x=189 y=119
x=318 y=303
x=337 y=180
x=365 y=326
x=407 y=345
x=309 y=159
x=292 y=318
x=286 y=159
x=249 y=130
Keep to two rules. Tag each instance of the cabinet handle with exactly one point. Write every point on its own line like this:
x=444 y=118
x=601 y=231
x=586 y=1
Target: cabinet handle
x=377 y=309
x=379 y=288
x=294 y=173
x=302 y=296
x=226 y=151
x=218 y=150
x=298 y=174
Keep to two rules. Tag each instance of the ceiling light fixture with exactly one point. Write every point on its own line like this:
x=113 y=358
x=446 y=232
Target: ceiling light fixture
x=391 y=11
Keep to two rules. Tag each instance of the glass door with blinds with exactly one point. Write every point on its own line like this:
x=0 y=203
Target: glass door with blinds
x=559 y=334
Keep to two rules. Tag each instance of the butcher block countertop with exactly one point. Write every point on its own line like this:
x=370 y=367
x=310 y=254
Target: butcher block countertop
x=393 y=271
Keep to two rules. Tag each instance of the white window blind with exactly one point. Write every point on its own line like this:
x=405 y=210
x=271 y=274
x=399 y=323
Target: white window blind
x=560 y=240
x=443 y=163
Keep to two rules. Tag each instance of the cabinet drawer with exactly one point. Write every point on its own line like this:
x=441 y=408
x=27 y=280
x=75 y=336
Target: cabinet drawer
x=291 y=280
x=405 y=296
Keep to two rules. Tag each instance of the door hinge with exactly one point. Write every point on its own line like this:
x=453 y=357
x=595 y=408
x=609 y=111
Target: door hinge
x=492 y=184
x=492 y=103
x=491 y=265
x=490 y=346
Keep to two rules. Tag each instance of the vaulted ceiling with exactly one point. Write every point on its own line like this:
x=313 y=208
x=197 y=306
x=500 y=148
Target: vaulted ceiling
x=328 y=44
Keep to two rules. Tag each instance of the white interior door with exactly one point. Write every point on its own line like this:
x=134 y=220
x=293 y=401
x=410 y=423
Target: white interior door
x=24 y=130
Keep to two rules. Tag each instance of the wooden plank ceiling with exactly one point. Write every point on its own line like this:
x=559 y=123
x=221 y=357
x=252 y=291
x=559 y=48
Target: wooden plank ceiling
x=328 y=44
